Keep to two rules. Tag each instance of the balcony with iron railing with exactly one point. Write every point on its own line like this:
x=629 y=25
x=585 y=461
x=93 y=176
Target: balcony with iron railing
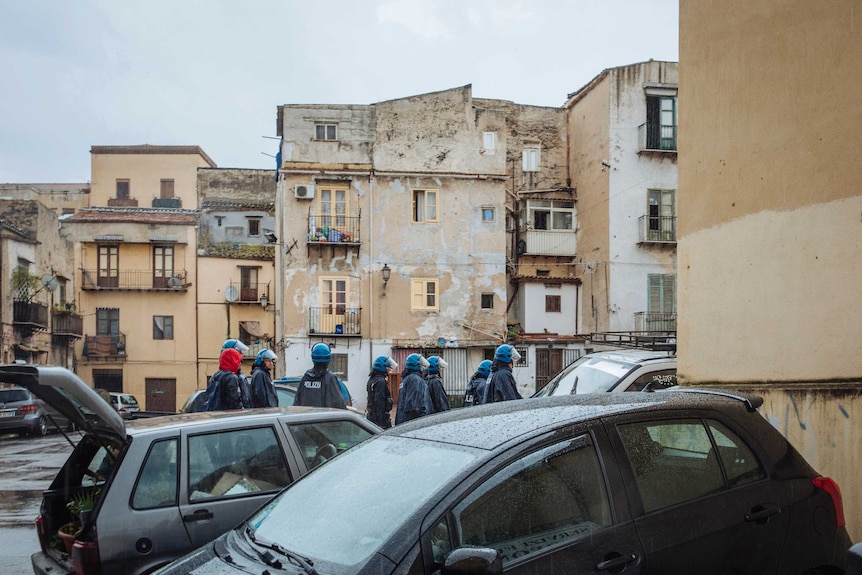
x=651 y=321
x=336 y=320
x=129 y=280
x=343 y=230
x=251 y=293
x=655 y=137
x=657 y=229
x=67 y=323
x=105 y=347
x=29 y=314
x=122 y=202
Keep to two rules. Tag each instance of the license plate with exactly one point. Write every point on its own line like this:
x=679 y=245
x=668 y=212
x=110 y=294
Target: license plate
x=7 y=412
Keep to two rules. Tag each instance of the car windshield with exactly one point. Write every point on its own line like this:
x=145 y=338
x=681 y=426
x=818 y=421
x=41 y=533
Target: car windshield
x=587 y=375
x=349 y=507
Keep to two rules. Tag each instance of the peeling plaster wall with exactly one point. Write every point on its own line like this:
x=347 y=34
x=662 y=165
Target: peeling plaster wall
x=355 y=132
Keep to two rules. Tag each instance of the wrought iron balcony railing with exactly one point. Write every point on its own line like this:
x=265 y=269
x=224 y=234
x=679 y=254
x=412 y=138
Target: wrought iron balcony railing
x=333 y=229
x=30 y=313
x=653 y=136
x=134 y=280
x=335 y=320
x=67 y=323
x=105 y=346
x=648 y=321
x=657 y=229
x=251 y=293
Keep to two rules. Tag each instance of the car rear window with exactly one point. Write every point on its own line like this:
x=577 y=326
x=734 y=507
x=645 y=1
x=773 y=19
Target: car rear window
x=10 y=395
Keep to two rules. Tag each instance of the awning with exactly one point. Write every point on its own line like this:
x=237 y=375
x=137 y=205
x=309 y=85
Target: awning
x=252 y=327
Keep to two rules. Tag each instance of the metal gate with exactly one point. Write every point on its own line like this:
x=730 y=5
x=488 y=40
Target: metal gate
x=550 y=362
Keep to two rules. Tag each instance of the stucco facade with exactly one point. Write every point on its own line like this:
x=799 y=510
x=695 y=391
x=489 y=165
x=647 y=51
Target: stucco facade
x=445 y=258
x=769 y=221
x=617 y=170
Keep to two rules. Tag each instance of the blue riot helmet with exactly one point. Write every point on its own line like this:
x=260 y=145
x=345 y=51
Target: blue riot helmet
x=506 y=354
x=265 y=354
x=484 y=368
x=415 y=362
x=235 y=344
x=436 y=363
x=382 y=363
x=320 y=353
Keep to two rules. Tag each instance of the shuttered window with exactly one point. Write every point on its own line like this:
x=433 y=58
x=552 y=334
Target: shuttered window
x=662 y=293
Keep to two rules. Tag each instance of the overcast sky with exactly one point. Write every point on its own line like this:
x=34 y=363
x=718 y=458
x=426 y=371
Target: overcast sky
x=212 y=72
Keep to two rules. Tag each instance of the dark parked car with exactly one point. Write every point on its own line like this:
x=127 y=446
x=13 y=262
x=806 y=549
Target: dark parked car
x=673 y=482
x=160 y=487
x=22 y=412
x=614 y=371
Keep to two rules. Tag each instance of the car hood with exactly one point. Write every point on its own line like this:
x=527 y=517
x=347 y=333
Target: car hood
x=67 y=393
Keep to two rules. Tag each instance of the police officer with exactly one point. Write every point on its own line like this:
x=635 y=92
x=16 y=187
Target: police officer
x=434 y=379
x=318 y=386
x=262 y=391
x=379 y=399
x=501 y=383
x=477 y=384
x=414 y=400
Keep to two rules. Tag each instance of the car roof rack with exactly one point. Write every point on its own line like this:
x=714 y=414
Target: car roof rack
x=752 y=402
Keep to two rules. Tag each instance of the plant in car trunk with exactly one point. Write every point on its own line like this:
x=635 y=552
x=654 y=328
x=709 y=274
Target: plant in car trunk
x=79 y=504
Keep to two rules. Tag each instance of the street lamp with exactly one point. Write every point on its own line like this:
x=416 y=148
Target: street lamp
x=386 y=273
x=264 y=301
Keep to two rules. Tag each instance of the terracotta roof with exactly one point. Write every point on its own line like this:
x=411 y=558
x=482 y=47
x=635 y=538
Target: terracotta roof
x=135 y=216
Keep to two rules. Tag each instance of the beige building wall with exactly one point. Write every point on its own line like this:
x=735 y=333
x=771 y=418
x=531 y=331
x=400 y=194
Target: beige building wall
x=145 y=167
x=770 y=217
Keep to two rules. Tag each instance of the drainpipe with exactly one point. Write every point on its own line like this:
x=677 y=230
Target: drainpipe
x=371 y=266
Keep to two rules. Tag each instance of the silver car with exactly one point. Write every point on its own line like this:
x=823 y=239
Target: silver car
x=21 y=412
x=136 y=494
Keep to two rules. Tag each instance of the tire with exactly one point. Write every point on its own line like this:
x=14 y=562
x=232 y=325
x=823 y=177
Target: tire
x=41 y=428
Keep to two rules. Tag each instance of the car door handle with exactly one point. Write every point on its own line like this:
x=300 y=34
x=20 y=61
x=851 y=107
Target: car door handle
x=761 y=513
x=616 y=561
x=199 y=515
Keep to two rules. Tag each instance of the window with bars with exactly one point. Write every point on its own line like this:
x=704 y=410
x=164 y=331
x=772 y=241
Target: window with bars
x=253 y=227
x=487 y=301
x=553 y=304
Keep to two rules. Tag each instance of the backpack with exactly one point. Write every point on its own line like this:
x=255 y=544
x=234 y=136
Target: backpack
x=212 y=399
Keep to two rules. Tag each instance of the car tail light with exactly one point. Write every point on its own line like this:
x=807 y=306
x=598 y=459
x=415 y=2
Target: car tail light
x=40 y=532
x=25 y=409
x=829 y=486
x=85 y=558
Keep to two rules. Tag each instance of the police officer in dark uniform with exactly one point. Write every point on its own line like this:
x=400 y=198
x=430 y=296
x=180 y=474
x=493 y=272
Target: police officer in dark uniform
x=318 y=386
x=476 y=386
x=379 y=400
x=414 y=401
x=434 y=379
x=501 y=384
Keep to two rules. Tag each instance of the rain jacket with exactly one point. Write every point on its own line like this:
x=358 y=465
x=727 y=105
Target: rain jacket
x=379 y=400
x=476 y=385
x=439 y=399
x=226 y=382
x=414 y=401
x=501 y=384
x=262 y=391
x=319 y=388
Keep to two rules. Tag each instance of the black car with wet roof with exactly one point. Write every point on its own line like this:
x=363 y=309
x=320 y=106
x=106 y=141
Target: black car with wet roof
x=673 y=482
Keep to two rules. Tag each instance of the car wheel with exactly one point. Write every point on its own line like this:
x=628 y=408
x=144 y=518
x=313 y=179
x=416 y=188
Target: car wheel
x=41 y=427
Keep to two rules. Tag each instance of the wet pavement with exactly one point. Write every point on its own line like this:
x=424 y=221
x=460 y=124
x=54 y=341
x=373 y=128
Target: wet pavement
x=27 y=466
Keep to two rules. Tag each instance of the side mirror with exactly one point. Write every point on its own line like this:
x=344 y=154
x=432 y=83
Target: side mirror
x=474 y=561
x=854 y=560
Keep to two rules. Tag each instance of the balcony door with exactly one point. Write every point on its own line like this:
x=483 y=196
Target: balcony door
x=333 y=303
x=163 y=265
x=661 y=304
x=248 y=284
x=332 y=209
x=662 y=220
x=109 y=266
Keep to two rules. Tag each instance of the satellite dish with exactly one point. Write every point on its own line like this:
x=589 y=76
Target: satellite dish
x=231 y=293
x=49 y=282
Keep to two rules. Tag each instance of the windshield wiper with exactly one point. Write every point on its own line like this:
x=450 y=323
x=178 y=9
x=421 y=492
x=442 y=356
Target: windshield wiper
x=267 y=558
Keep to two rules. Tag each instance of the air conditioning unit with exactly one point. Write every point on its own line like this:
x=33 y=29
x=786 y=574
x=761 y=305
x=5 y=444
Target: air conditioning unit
x=175 y=282
x=304 y=192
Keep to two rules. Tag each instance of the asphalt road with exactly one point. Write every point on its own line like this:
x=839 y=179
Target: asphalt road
x=27 y=466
